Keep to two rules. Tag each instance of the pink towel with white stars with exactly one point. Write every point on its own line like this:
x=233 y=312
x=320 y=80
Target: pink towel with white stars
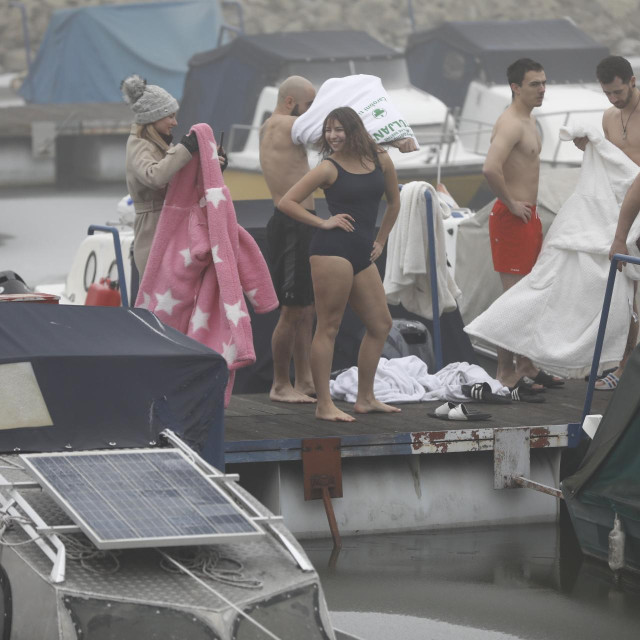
x=202 y=262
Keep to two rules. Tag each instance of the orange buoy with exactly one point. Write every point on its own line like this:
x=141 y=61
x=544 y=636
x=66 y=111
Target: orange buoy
x=103 y=294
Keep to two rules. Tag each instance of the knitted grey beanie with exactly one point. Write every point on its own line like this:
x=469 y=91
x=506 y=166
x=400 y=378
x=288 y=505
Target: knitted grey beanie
x=149 y=102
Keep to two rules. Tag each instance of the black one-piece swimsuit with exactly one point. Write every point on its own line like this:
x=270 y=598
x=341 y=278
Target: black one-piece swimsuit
x=359 y=195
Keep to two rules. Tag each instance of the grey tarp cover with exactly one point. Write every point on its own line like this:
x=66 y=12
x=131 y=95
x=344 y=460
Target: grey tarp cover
x=87 y=52
x=109 y=377
x=611 y=466
x=444 y=60
x=223 y=85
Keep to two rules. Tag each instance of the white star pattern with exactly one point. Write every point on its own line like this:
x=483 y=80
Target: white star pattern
x=214 y=253
x=252 y=296
x=229 y=352
x=166 y=302
x=234 y=312
x=214 y=150
x=146 y=301
x=199 y=320
x=215 y=196
x=186 y=254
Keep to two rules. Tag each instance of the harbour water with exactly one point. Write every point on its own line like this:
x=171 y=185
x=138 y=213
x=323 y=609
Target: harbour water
x=503 y=583
x=508 y=583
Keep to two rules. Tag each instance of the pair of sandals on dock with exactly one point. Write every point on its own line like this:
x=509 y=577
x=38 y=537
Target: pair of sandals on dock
x=525 y=390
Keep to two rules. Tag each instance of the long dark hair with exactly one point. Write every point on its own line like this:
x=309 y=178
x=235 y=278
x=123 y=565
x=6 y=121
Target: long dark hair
x=357 y=142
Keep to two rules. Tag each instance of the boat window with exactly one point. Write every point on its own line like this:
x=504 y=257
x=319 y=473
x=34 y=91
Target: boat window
x=318 y=72
x=393 y=72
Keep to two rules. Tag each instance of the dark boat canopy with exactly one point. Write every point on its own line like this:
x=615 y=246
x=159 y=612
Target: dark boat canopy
x=444 y=60
x=609 y=475
x=77 y=378
x=223 y=85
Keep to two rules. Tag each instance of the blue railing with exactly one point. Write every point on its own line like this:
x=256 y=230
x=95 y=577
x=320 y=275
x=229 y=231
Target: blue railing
x=433 y=275
x=603 y=325
x=122 y=281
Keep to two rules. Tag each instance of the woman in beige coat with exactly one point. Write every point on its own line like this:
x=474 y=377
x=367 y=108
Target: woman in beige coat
x=151 y=159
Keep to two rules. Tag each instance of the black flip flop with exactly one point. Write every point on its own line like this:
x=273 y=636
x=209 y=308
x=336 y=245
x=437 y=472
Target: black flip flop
x=518 y=396
x=525 y=386
x=547 y=380
x=481 y=391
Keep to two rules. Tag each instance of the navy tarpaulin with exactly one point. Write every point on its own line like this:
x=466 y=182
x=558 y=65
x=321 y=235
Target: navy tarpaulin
x=86 y=52
x=444 y=60
x=108 y=377
x=223 y=85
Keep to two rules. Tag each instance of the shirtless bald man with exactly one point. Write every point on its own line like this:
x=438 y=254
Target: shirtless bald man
x=512 y=169
x=621 y=126
x=283 y=163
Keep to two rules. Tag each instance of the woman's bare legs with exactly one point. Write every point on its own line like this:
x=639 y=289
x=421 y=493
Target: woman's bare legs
x=369 y=302
x=332 y=280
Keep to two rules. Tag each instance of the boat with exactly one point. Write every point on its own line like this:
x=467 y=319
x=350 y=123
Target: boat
x=603 y=495
x=116 y=517
x=67 y=122
x=464 y=64
x=233 y=88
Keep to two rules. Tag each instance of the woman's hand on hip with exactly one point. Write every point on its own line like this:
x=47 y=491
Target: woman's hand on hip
x=340 y=221
x=376 y=251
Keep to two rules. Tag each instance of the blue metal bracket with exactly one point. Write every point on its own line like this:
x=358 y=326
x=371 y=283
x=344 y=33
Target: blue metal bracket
x=122 y=281
x=601 y=329
x=433 y=274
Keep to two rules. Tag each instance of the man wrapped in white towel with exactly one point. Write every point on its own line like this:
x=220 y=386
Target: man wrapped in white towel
x=368 y=98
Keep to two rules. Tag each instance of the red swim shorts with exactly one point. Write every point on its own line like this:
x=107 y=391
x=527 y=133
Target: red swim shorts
x=515 y=244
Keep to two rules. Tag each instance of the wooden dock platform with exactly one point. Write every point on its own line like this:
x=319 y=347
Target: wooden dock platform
x=258 y=430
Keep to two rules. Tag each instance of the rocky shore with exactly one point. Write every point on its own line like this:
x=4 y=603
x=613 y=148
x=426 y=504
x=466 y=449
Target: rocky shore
x=614 y=23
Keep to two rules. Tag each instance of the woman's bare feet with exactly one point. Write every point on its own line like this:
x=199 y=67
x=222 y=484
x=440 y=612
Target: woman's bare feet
x=289 y=394
x=374 y=406
x=332 y=413
x=305 y=389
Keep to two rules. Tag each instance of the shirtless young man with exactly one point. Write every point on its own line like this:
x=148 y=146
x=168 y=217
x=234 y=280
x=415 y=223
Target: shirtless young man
x=621 y=126
x=512 y=169
x=283 y=163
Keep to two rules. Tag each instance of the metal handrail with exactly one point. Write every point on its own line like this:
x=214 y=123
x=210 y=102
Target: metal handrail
x=119 y=263
x=617 y=257
x=489 y=127
x=433 y=274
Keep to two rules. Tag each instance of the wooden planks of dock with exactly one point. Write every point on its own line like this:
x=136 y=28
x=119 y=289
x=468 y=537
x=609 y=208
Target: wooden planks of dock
x=258 y=430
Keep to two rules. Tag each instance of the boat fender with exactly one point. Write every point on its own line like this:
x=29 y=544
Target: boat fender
x=616 y=545
x=104 y=294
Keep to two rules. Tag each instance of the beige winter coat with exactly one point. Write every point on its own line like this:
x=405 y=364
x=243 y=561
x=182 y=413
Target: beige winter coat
x=149 y=170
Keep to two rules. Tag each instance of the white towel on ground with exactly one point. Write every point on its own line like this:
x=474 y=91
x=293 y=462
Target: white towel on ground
x=408 y=380
x=363 y=93
x=552 y=314
x=406 y=278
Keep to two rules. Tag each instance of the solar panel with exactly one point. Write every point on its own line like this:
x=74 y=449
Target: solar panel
x=140 y=498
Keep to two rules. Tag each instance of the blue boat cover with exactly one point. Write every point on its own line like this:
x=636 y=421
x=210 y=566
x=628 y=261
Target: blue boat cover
x=87 y=52
x=109 y=377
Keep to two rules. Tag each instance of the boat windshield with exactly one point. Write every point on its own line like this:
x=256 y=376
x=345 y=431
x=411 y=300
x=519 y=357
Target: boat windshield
x=392 y=71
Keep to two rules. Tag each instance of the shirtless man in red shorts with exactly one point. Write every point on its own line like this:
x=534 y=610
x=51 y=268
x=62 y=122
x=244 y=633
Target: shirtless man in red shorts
x=512 y=169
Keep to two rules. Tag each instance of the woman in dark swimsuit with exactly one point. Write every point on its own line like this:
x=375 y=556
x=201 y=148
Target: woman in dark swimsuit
x=355 y=175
